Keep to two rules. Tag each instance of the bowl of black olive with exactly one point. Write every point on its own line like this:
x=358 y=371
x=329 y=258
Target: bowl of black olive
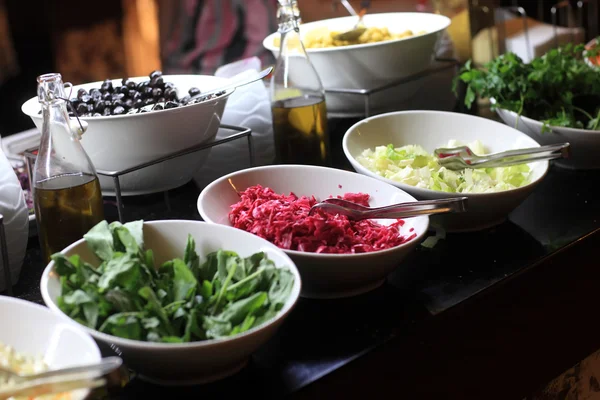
x=132 y=121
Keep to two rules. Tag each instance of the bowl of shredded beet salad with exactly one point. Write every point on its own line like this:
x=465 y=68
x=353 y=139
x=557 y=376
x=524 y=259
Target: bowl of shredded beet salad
x=336 y=257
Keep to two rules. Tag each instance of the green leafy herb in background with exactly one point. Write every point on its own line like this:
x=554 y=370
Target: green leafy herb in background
x=558 y=88
x=181 y=301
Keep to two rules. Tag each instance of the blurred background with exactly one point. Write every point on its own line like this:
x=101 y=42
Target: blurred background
x=122 y=38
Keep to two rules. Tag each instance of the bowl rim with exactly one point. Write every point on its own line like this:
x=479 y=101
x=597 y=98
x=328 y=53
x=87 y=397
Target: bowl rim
x=85 y=336
x=268 y=41
x=340 y=257
x=279 y=317
x=553 y=127
x=361 y=169
x=26 y=105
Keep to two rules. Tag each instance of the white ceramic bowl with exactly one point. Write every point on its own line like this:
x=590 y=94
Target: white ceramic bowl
x=35 y=330
x=585 y=143
x=115 y=143
x=368 y=66
x=323 y=275
x=196 y=362
x=432 y=129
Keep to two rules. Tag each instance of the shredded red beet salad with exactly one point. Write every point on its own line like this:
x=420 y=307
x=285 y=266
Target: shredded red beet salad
x=284 y=221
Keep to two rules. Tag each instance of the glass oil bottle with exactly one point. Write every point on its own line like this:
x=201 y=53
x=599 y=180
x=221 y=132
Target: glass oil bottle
x=66 y=189
x=297 y=98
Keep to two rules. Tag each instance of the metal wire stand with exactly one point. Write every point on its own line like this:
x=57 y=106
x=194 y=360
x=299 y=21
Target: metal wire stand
x=447 y=63
x=240 y=132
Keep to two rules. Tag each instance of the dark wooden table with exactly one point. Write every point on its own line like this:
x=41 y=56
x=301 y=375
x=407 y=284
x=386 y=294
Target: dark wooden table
x=488 y=315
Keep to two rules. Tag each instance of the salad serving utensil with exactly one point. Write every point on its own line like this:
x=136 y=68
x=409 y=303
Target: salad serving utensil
x=459 y=158
x=359 y=27
x=358 y=212
x=58 y=380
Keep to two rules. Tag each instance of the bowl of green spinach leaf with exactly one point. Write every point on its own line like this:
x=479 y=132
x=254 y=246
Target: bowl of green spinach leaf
x=184 y=302
x=553 y=99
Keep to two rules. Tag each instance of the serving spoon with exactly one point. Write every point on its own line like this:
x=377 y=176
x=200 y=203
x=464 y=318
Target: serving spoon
x=57 y=380
x=359 y=28
x=459 y=158
x=358 y=212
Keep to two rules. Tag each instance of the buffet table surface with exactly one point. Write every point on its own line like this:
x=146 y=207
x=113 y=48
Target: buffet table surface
x=495 y=314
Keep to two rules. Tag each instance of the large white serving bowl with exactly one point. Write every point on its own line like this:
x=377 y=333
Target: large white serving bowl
x=433 y=129
x=372 y=65
x=323 y=275
x=585 y=143
x=119 y=142
x=196 y=362
x=34 y=330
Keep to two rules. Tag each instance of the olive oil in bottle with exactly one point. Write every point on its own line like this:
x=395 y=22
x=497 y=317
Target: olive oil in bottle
x=297 y=98
x=300 y=129
x=66 y=190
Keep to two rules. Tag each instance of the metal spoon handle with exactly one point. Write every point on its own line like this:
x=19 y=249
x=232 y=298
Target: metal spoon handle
x=553 y=150
x=90 y=371
x=349 y=7
x=413 y=209
x=238 y=83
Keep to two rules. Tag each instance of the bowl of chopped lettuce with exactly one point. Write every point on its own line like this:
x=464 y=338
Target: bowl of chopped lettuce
x=397 y=148
x=182 y=302
x=555 y=98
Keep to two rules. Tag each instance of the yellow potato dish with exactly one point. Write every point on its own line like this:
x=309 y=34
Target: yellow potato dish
x=323 y=37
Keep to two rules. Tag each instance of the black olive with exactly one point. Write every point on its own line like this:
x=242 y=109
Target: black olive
x=171 y=104
x=90 y=108
x=131 y=93
x=123 y=89
x=131 y=85
x=118 y=110
x=142 y=85
x=169 y=85
x=128 y=103
x=75 y=102
x=106 y=111
x=117 y=96
x=117 y=102
x=147 y=92
x=194 y=91
x=81 y=92
x=136 y=96
x=107 y=86
x=157 y=92
x=155 y=74
x=99 y=106
x=86 y=98
x=148 y=101
x=184 y=100
x=81 y=108
x=157 y=107
x=97 y=115
x=95 y=93
x=106 y=96
x=170 y=94
x=138 y=103
x=157 y=82
x=108 y=103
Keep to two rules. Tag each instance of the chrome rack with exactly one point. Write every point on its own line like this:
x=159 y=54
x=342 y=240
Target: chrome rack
x=4 y=254
x=443 y=64
x=240 y=132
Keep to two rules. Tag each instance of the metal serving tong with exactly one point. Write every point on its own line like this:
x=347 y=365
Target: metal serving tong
x=402 y=210
x=58 y=380
x=462 y=157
